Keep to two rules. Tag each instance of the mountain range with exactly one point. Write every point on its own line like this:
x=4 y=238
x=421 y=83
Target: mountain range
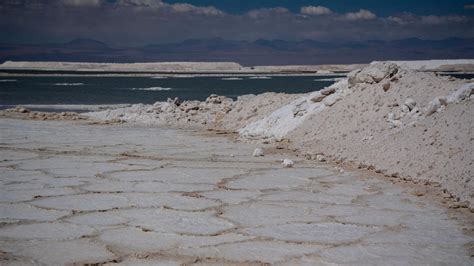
x=259 y=52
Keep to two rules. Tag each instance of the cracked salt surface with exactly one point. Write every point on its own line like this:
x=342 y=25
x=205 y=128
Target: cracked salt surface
x=146 y=196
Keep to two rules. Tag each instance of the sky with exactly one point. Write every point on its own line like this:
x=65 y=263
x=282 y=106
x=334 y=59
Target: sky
x=143 y=22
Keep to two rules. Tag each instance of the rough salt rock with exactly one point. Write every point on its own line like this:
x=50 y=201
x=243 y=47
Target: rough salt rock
x=327 y=91
x=415 y=110
x=432 y=107
x=190 y=107
x=352 y=77
x=19 y=109
x=287 y=163
x=258 y=152
x=405 y=109
x=464 y=92
x=330 y=101
x=391 y=116
x=443 y=101
x=215 y=99
x=22 y=110
x=395 y=123
x=374 y=73
x=318 y=98
x=410 y=103
x=176 y=101
x=320 y=158
x=340 y=170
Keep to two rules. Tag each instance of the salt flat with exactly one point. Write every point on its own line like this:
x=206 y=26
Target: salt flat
x=76 y=193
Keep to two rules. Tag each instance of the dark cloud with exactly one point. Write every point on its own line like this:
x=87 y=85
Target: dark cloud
x=137 y=22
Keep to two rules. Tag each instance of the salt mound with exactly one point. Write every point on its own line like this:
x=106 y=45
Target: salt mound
x=417 y=127
x=397 y=121
x=401 y=122
x=189 y=114
x=215 y=112
x=287 y=118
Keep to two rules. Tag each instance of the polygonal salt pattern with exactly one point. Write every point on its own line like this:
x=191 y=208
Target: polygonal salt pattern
x=170 y=200
x=97 y=218
x=232 y=196
x=45 y=231
x=260 y=214
x=133 y=240
x=147 y=196
x=308 y=196
x=149 y=262
x=325 y=233
x=9 y=196
x=84 y=202
x=178 y=175
x=276 y=179
x=165 y=220
x=255 y=251
x=71 y=166
x=392 y=254
x=22 y=211
x=66 y=252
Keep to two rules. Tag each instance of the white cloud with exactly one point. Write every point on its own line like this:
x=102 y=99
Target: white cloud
x=267 y=12
x=362 y=14
x=81 y=3
x=406 y=18
x=436 y=20
x=469 y=7
x=142 y=3
x=315 y=10
x=209 y=10
x=178 y=8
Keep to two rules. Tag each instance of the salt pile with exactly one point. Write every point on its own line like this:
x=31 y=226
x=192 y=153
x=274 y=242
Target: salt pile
x=394 y=120
x=418 y=127
x=215 y=112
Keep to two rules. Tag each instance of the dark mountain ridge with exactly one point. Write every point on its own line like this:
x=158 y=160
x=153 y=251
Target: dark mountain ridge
x=259 y=52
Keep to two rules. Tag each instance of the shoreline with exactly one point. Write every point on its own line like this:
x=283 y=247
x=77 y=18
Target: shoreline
x=403 y=115
x=440 y=65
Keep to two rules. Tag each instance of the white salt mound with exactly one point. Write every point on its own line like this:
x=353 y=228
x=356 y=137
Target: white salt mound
x=396 y=120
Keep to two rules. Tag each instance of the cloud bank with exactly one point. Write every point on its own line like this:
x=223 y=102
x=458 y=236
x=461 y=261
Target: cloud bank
x=135 y=22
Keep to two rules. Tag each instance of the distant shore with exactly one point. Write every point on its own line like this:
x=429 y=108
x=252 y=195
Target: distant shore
x=218 y=68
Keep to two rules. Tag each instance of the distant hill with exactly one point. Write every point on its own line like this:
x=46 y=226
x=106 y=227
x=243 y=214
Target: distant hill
x=259 y=52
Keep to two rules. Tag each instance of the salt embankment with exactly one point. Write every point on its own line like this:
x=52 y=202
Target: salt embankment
x=397 y=121
x=215 y=112
x=127 y=67
x=402 y=123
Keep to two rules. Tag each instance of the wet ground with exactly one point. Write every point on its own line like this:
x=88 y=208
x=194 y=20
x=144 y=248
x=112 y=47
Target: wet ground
x=74 y=193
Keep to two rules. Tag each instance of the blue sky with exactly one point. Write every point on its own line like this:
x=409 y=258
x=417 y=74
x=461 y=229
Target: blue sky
x=141 y=22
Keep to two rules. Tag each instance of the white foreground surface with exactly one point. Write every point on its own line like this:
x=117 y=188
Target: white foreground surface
x=112 y=194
